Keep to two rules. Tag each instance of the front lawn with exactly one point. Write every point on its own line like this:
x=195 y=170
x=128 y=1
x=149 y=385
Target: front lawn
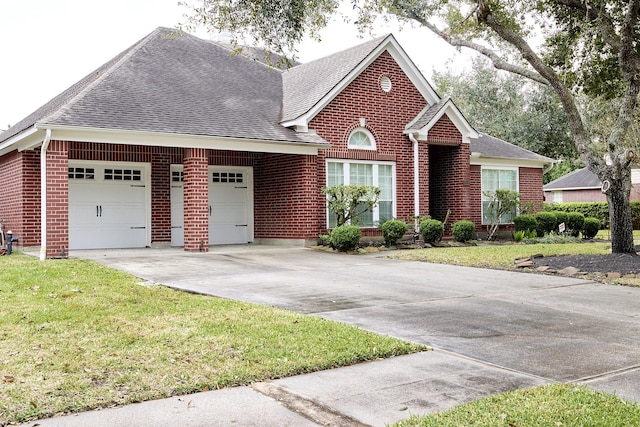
x=77 y=335
x=500 y=256
x=556 y=405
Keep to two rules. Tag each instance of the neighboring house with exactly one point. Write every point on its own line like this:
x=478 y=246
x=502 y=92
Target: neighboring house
x=582 y=185
x=177 y=142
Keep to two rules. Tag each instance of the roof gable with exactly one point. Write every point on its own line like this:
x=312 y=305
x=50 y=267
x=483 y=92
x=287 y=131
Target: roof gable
x=309 y=87
x=430 y=115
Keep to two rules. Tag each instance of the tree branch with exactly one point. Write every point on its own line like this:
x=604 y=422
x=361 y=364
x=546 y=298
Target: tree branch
x=566 y=98
x=497 y=61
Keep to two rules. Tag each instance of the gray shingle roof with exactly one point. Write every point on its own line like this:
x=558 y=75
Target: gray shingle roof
x=182 y=85
x=426 y=115
x=489 y=146
x=579 y=178
x=306 y=84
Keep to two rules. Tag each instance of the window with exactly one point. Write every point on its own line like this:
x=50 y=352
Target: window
x=362 y=139
x=378 y=174
x=556 y=196
x=122 y=175
x=227 y=177
x=497 y=179
x=81 y=173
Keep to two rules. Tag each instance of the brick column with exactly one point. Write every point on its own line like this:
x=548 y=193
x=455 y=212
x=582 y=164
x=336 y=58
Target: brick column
x=57 y=180
x=196 y=200
x=160 y=197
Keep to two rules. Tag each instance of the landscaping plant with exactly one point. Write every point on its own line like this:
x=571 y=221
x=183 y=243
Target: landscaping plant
x=431 y=230
x=463 y=230
x=575 y=223
x=546 y=223
x=525 y=222
x=392 y=231
x=590 y=227
x=345 y=238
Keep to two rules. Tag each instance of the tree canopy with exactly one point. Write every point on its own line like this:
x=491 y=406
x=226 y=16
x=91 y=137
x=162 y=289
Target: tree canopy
x=575 y=47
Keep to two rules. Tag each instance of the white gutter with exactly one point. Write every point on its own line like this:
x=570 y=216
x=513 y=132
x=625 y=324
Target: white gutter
x=416 y=181
x=43 y=194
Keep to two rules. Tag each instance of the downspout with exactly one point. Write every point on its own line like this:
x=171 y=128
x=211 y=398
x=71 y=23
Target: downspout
x=416 y=182
x=43 y=194
x=549 y=167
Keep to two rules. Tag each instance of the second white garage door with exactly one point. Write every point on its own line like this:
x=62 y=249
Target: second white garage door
x=230 y=205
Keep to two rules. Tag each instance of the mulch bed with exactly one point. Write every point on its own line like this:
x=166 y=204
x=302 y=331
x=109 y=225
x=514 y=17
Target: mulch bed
x=619 y=263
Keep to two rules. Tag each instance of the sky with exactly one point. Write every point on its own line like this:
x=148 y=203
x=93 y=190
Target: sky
x=48 y=45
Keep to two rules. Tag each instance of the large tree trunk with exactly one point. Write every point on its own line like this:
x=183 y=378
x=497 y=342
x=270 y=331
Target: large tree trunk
x=620 y=223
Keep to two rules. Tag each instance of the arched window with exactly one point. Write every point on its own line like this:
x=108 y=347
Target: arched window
x=362 y=139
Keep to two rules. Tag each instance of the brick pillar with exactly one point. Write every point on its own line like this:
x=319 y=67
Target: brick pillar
x=461 y=210
x=196 y=200
x=57 y=227
x=160 y=197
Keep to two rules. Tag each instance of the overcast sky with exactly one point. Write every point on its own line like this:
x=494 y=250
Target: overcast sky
x=48 y=45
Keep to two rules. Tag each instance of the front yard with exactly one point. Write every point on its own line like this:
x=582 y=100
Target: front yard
x=76 y=336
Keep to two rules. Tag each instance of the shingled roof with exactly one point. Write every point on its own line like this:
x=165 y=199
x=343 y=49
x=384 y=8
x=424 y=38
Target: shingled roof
x=489 y=146
x=577 y=179
x=174 y=85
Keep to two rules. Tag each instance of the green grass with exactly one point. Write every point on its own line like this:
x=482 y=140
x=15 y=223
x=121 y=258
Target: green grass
x=499 y=256
x=76 y=336
x=546 y=406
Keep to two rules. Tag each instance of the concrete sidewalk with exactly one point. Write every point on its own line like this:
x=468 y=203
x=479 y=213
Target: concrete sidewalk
x=368 y=394
x=493 y=331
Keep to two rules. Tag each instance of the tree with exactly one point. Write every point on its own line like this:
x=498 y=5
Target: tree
x=571 y=46
x=502 y=203
x=510 y=107
x=347 y=202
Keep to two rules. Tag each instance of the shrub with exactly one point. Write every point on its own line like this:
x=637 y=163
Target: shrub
x=431 y=230
x=392 y=231
x=463 y=230
x=590 y=227
x=575 y=221
x=561 y=217
x=518 y=235
x=599 y=210
x=345 y=237
x=525 y=222
x=546 y=223
x=530 y=234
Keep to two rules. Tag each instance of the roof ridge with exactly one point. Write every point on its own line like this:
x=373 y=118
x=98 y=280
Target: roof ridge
x=84 y=91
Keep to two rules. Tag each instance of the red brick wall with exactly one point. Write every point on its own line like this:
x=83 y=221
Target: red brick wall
x=386 y=114
x=444 y=132
x=531 y=187
x=57 y=199
x=11 y=196
x=286 y=197
x=196 y=200
x=475 y=196
x=449 y=187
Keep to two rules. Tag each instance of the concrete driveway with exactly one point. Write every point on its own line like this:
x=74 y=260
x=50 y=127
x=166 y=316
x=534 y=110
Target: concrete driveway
x=539 y=327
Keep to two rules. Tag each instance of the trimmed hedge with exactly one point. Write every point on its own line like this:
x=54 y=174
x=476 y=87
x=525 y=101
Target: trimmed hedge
x=590 y=227
x=546 y=223
x=575 y=221
x=431 y=230
x=525 y=222
x=392 y=231
x=463 y=230
x=599 y=210
x=345 y=237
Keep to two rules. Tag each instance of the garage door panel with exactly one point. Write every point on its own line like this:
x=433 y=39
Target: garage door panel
x=108 y=213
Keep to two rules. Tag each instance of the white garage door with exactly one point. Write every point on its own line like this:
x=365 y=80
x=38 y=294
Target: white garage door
x=108 y=205
x=230 y=205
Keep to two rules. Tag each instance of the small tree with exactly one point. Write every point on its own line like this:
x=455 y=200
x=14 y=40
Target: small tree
x=349 y=201
x=502 y=202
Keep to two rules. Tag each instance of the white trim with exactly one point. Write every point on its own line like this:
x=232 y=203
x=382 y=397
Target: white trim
x=506 y=162
x=453 y=113
x=33 y=138
x=396 y=51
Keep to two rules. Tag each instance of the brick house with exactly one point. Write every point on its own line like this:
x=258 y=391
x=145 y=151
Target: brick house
x=177 y=142
x=582 y=185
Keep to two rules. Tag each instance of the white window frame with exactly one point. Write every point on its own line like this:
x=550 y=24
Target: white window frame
x=515 y=169
x=346 y=164
x=556 y=196
x=362 y=147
